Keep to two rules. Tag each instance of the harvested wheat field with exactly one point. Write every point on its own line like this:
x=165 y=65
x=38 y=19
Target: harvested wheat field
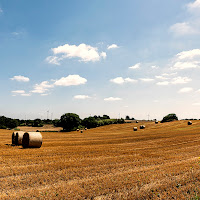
x=110 y=162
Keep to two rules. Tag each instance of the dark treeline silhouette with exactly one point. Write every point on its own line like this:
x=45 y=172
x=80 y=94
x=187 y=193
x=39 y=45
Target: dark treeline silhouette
x=68 y=121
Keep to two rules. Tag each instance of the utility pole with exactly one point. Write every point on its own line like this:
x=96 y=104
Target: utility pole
x=148 y=116
x=47 y=114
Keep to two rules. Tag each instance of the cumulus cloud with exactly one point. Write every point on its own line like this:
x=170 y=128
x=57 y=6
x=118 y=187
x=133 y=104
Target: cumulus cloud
x=113 y=46
x=112 y=99
x=186 y=60
x=18 y=92
x=154 y=67
x=184 y=28
x=146 y=79
x=162 y=77
x=70 y=80
x=194 y=5
x=120 y=80
x=136 y=66
x=53 y=60
x=1 y=11
x=42 y=87
x=85 y=53
x=163 y=83
x=180 y=80
x=191 y=25
x=20 y=78
x=82 y=97
x=185 y=90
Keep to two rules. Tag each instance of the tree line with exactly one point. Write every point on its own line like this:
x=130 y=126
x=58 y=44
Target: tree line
x=68 y=121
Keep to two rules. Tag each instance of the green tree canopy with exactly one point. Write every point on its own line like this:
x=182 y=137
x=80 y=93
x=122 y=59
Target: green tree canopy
x=70 y=121
x=169 y=118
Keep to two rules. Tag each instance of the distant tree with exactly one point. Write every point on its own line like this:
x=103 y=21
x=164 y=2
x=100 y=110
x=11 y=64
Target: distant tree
x=127 y=117
x=106 y=117
x=89 y=122
x=70 y=121
x=8 y=122
x=37 y=123
x=56 y=122
x=169 y=118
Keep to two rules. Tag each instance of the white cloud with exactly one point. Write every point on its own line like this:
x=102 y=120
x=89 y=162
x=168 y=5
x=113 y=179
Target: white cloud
x=44 y=94
x=1 y=11
x=120 y=80
x=186 y=60
x=42 y=87
x=163 y=83
x=162 y=77
x=70 y=80
x=18 y=92
x=26 y=95
x=171 y=74
x=53 y=60
x=136 y=66
x=113 y=46
x=154 y=67
x=84 y=52
x=184 y=28
x=20 y=78
x=112 y=99
x=184 y=65
x=130 y=80
x=146 y=79
x=180 y=80
x=185 y=90
x=81 y=97
x=194 y=5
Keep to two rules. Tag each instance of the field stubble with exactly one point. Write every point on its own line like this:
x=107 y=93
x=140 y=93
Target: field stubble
x=110 y=162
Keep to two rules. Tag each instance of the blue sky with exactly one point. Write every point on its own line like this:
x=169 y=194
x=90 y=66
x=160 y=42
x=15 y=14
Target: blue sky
x=132 y=57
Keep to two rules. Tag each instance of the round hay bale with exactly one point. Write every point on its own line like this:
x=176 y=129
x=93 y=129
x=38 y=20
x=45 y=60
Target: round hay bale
x=137 y=122
x=142 y=127
x=19 y=137
x=85 y=128
x=77 y=129
x=13 y=137
x=81 y=131
x=135 y=129
x=32 y=140
x=156 y=122
x=189 y=123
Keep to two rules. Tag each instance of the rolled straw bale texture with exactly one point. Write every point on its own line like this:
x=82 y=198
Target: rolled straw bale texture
x=137 y=122
x=13 y=137
x=156 y=122
x=189 y=123
x=135 y=129
x=19 y=137
x=32 y=140
x=142 y=127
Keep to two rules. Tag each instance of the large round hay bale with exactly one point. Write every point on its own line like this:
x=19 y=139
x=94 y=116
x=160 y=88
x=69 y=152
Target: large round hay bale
x=142 y=127
x=156 y=122
x=137 y=121
x=77 y=130
x=13 y=137
x=32 y=140
x=189 y=123
x=19 y=137
x=135 y=129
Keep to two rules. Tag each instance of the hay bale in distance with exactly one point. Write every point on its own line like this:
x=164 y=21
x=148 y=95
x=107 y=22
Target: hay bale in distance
x=135 y=129
x=142 y=127
x=19 y=137
x=32 y=140
x=81 y=131
x=137 y=122
x=85 y=128
x=77 y=130
x=156 y=122
x=189 y=123
x=13 y=137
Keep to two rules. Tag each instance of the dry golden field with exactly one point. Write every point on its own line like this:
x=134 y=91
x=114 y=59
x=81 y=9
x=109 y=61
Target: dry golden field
x=110 y=162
